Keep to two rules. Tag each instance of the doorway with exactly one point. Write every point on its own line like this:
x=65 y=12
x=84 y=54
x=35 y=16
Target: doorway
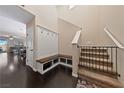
x=17 y=33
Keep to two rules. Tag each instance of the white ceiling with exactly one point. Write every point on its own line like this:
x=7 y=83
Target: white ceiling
x=12 y=27
x=13 y=21
x=16 y=13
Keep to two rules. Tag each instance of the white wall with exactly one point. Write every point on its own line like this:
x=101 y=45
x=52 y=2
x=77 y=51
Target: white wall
x=113 y=18
x=85 y=17
x=46 y=15
x=88 y=18
x=47 y=42
x=67 y=32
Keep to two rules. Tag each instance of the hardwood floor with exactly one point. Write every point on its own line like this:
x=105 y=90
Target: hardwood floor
x=15 y=74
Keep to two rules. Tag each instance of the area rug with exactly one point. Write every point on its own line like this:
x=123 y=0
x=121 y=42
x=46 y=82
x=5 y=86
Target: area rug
x=85 y=84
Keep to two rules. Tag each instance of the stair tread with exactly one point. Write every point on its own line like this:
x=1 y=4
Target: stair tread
x=100 y=77
x=96 y=64
x=101 y=68
x=102 y=56
x=93 y=52
x=95 y=48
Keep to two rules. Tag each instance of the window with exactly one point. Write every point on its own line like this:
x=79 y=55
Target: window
x=3 y=42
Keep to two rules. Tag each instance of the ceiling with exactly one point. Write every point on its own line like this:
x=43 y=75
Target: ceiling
x=12 y=28
x=16 y=13
x=13 y=20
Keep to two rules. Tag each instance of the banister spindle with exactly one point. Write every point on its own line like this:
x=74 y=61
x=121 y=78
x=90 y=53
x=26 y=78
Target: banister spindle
x=111 y=59
x=116 y=61
x=103 y=59
x=99 y=57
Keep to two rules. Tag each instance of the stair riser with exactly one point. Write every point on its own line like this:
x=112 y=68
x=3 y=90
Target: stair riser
x=95 y=55
x=94 y=50
x=96 y=62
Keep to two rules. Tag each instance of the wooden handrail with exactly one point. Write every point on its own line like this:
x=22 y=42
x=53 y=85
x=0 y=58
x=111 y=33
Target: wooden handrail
x=76 y=38
x=113 y=38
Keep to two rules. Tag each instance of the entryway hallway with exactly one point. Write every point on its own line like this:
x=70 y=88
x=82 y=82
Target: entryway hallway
x=66 y=47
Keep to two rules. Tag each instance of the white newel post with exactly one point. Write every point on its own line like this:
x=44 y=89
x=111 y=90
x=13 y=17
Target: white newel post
x=76 y=53
x=75 y=58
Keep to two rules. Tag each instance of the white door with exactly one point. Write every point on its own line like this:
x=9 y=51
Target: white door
x=29 y=43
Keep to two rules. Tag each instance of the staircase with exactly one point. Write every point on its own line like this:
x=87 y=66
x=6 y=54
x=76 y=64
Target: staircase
x=98 y=64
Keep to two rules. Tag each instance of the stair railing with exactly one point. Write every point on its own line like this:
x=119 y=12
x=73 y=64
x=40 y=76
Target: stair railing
x=106 y=63
x=100 y=59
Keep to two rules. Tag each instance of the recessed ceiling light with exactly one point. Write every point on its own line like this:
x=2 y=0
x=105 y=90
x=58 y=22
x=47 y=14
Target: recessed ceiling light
x=11 y=38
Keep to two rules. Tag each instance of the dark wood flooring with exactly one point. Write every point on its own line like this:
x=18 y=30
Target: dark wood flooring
x=15 y=74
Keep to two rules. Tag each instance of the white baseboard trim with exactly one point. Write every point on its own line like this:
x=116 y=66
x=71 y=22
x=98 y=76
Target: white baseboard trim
x=74 y=75
x=29 y=65
x=34 y=69
x=60 y=63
